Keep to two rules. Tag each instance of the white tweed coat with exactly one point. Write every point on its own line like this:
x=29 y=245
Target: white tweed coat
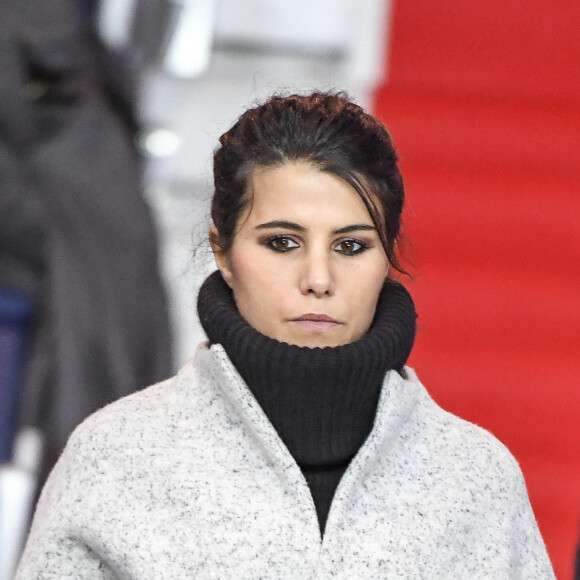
x=188 y=479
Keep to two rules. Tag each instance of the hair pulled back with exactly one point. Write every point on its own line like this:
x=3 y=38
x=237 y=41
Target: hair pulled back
x=325 y=130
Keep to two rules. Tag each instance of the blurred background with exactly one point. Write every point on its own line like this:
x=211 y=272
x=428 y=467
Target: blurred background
x=109 y=112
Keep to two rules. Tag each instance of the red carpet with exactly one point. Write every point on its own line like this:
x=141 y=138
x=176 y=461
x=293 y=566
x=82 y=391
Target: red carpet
x=483 y=101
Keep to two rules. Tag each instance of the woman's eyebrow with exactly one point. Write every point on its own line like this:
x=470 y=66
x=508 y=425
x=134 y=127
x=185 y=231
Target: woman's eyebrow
x=353 y=228
x=281 y=224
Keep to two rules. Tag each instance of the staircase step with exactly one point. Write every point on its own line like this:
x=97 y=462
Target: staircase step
x=518 y=48
x=505 y=306
x=491 y=218
x=434 y=130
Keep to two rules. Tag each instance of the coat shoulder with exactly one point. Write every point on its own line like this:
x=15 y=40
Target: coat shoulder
x=461 y=444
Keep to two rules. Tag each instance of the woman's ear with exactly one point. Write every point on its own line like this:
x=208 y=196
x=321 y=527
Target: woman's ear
x=220 y=255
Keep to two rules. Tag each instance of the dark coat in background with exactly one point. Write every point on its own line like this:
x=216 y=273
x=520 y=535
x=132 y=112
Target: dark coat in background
x=75 y=232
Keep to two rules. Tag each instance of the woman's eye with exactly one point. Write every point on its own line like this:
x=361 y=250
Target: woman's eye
x=281 y=244
x=350 y=247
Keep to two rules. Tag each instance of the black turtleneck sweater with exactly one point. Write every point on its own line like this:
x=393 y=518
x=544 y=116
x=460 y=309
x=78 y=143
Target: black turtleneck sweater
x=321 y=401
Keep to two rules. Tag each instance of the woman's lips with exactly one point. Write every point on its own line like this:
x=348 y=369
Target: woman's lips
x=316 y=322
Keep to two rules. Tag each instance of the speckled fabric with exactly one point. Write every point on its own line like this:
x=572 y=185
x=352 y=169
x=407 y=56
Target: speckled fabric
x=188 y=479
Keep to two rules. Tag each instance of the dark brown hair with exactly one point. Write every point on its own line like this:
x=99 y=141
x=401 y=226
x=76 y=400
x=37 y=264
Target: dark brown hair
x=326 y=130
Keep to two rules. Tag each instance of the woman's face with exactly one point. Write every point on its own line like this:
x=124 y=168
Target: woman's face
x=307 y=266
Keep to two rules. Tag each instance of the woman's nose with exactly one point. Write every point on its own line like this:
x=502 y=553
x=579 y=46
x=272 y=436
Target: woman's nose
x=317 y=277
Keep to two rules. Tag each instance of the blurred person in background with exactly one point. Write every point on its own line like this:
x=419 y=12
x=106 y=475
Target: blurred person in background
x=75 y=233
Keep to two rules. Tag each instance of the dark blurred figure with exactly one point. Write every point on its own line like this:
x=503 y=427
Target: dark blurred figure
x=75 y=232
x=577 y=574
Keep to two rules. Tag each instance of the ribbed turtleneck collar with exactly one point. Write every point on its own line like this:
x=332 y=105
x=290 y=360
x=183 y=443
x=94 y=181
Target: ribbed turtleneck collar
x=322 y=401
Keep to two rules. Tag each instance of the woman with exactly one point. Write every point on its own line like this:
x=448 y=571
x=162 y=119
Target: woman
x=296 y=444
